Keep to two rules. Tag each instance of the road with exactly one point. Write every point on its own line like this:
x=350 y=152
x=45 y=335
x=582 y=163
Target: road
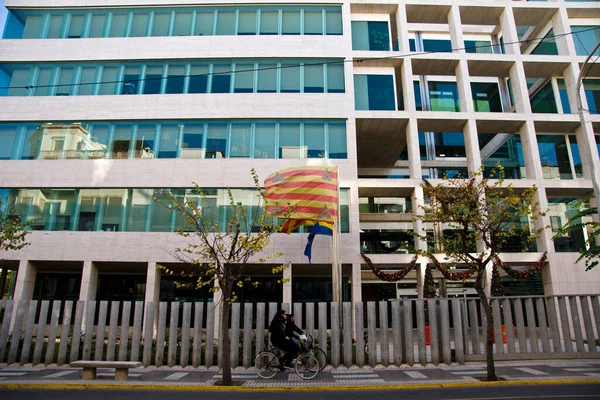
x=504 y=392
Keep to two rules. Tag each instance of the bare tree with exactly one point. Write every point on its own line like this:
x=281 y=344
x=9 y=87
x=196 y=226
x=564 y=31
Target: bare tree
x=478 y=212
x=220 y=253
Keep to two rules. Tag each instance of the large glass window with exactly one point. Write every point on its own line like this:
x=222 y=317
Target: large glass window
x=314 y=140
x=244 y=78
x=221 y=79
x=169 y=140
x=267 y=78
x=43 y=83
x=559 y=156
x=247 y=22
x=313 y=22
x=374 y=92
x=183 y=23
x=543 y=101
x=216 y=140
x=139 y=25
x=289 y=141
x=592 y=94
x=561 y=210
x=225 y=22
x=478 y=46
x=291 y=22
x=175 y=79
x=241 y=139
x=337 y=140
x=370 y=35
x=444 y=96
x=7 y=139
x=547 y=45
x=117 y=26
x=97 y=26
x=503 y=148
x=204 y=23
x=76 y=27
x=334 y=21
x=131 y=80
x=269 y=22
x=585 y=39
x=313 y=78
x=32 y=27
x=264 y=142
x=198 y=79
x=153 y=80
x=290 y=78
x=335 y=78
x=486 y=97
x=160 y=25
x=193 y=141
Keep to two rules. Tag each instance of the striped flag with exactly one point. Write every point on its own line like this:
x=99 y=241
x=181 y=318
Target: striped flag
x=303 y=194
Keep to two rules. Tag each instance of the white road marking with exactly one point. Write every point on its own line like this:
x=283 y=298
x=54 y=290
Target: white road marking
x=12 y=373
x=531 y=371
x=176 y=376
x=415 y=374
x=58 y=374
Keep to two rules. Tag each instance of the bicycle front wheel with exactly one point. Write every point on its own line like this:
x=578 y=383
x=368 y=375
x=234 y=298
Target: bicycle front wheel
x=321 y=358
x=267 y=365
x=307 y=366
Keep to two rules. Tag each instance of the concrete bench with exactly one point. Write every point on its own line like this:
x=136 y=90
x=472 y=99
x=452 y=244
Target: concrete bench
x=121 y=368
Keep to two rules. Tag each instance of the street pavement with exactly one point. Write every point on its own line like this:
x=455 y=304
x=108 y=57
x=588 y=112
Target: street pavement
x=572 y=371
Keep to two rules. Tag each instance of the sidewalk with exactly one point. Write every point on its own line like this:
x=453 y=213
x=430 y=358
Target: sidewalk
x=531 y=372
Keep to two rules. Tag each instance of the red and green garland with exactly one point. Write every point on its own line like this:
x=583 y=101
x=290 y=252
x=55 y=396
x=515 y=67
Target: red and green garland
x=453 y=275
x=396 y=276
x=526 y=274
x=497 y=286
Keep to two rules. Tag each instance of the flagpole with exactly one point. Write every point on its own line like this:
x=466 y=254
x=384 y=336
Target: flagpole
x=336 y=268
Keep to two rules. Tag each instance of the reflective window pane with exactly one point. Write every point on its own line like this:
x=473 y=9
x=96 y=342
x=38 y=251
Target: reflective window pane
x=241 y=139
x=264 y=146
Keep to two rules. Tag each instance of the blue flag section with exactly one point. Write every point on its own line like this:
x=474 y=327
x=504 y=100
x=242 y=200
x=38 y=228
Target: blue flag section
x=316 y=230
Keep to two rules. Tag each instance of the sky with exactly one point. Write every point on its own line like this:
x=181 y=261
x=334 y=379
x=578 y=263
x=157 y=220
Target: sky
x=3 y=13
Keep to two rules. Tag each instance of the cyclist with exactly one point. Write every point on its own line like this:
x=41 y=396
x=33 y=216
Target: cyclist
x=293 y=331
x=280 y=339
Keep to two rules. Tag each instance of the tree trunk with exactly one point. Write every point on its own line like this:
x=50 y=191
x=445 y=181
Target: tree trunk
x=225 y=344
x=489 y=337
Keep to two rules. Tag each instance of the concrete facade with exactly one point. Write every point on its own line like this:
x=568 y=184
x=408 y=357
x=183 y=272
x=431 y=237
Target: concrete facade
x=374 y=138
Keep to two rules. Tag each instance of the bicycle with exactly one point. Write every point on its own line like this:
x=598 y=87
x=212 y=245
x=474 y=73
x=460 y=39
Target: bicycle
x=320 y=355
x=267 y=364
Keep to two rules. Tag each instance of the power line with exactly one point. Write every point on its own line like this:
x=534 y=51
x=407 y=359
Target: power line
x=400 y=56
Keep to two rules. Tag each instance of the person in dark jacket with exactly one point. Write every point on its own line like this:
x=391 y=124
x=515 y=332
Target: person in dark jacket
x=280 y=339
x=291 y=329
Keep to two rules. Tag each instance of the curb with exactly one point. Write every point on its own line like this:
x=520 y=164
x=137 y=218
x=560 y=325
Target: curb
x=128 y=386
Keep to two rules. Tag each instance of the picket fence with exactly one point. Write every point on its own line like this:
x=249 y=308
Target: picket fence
x=388 y=332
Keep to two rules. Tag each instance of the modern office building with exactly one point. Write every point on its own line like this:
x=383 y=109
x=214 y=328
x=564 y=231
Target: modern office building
x=107 y=104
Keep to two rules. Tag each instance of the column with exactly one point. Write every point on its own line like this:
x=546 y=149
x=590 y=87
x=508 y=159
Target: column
x=89 y=282
x=287 y=286
x=421 y=267
x=3 y=281
x=25 y=281
x=152 y=295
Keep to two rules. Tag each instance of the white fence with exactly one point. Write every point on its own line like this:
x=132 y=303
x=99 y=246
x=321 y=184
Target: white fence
x=397 y=331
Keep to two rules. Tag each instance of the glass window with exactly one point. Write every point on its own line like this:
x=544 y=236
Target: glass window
x=374 y=92
x=43 y=84
x=547 y=45
x=264 y=142
x=335 y=78
x=221 y=79
x=225 y=23
x=241 y=136
x=216 y=140
x=54 y=27
x=247 y=23
x=121 y=142
x=140 y=24
x=543 y=101
x=76 y=27
x=87 y=81
x=372 y=36
x=244 y=78
x=314 y=139
x=444 y=96
x=564 y=97
x=334 y=22
x=486 y=97
x=592 y=94
x=175 y=79
x=204 y=23
x=138 y=205
x=65 y=82
x=145 y=145
x=450 y=144
x=169 y=139
x=183 y=23
x=32 y=27
x=98 y=145
x=313 y=22
x=109 y=81
x=337 y=140
x=267 y=78
x=117 y=27
x=198 y=79
x=554 y=156
x=575 y=156
x=97 y=27
x=31 y=143
x=290 y=78
x=291 y=22
x=131 y=80
x=505 y=149
x=478 y=46
x=289 y=141
x=313 y=78
x=161 y=216
x=18 y=82
x=561 y=210
x=418 y=100
x=585 y=39
x=193 y=141
x=437 y=45
x=153 y=80
x=269 y=22
x=8 y=134
x=160 y=26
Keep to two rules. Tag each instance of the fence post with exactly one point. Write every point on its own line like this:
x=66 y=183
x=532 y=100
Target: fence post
x=347 y=333
x=335 y=334
x=359 y=333
x=458 y=331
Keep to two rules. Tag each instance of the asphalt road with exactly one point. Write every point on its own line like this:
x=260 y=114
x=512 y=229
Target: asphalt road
x=529 y=392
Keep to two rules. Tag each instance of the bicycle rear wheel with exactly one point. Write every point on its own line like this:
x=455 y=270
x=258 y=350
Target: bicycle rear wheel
x=321 y=357
x=307 y=366
x=266 y=364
